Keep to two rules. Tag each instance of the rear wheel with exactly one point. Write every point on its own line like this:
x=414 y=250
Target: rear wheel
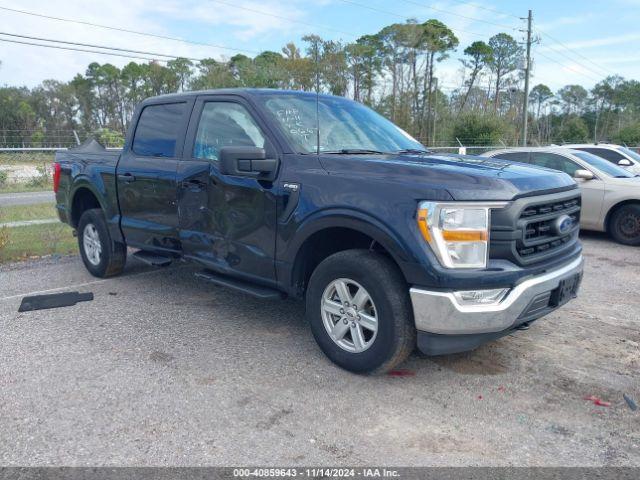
x=360 y=313
x=101 y=256
x=625 y=225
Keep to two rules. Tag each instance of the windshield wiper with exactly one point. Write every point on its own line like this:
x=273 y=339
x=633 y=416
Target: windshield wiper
x=415 y=151
x=355 y=151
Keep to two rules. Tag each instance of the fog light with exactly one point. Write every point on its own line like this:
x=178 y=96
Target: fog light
x=480 y=297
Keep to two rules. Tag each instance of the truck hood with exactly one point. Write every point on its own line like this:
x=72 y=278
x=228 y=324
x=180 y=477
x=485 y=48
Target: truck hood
x=464 y=177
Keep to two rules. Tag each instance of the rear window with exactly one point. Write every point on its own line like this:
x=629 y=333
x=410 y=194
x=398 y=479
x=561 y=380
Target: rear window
x=158 y=129
x=603 y=165
x=605 y=153
x=522 y=157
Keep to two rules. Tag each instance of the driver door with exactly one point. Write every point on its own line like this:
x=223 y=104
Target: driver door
x=226 y=222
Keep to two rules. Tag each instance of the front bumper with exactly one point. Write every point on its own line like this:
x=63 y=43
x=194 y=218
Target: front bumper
x=439 y=313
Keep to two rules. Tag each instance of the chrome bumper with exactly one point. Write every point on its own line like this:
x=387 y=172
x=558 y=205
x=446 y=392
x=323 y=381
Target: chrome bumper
x=441 y=313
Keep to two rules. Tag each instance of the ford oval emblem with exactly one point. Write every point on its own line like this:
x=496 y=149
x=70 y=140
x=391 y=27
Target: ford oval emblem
x=563 y=224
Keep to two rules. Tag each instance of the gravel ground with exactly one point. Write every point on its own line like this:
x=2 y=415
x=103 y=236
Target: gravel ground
x=164 y=369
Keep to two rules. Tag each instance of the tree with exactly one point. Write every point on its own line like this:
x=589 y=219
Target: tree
x=629 y=135
x=365 y=60
x=213 y=74
x=439 y=41
x=331 y=63
x=574 y=130
x=540 y=94
x=300 y=70
x=476 y=129
x=505 y=58
x=480 y=55
x=573 y=97
x=182 y=69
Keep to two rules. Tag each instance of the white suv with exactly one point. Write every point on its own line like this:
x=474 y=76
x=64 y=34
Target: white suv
x=616 y=154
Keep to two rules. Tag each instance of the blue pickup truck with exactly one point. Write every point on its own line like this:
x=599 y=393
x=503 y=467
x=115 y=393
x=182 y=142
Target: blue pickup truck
x=279 y=193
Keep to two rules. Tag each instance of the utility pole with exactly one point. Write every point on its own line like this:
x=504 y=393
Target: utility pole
x=435 y=111
x=527 y=72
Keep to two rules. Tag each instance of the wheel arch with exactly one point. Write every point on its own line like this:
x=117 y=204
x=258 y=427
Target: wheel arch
x=333 y=232
x=616 y=207
x=83 y=198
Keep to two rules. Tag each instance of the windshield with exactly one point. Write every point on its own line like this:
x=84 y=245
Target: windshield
x=345 y=126
x=630 y=153
x=603 y=165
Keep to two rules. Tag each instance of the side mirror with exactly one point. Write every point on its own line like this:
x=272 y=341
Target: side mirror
x=625 y=163
x=583 y=175
x=246 y=162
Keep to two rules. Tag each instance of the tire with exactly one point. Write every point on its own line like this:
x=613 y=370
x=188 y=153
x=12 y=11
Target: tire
x=359 y=348
x=624 y=226
x=110 y=257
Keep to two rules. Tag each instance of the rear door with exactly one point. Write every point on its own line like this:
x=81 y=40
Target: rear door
x=146 y=177
x=226 y=222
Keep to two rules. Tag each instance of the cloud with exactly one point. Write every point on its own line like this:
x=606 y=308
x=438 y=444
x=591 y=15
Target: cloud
x=564 y=22
x=201 y=21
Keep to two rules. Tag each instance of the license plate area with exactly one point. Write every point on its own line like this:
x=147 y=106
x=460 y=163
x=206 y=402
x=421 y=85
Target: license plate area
x=566 y=290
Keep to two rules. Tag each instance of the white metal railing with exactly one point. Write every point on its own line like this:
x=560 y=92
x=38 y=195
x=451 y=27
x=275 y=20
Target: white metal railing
x=43 y=149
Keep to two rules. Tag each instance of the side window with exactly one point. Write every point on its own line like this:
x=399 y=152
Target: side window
x=611 y=155
x=522 y=157
x=555 y=162
x=225 y=124
x=157 y=130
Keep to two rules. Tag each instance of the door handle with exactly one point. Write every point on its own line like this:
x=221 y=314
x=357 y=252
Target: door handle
x=126 y=177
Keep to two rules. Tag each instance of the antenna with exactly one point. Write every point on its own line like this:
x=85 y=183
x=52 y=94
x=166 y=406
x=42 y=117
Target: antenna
x=317 y=98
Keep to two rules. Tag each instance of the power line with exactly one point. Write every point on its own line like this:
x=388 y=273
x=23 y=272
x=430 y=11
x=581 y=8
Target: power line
x=135 y=32
x=564 y=55
x=574 y=51
x=568 y=67
x=154 y=54
x=446 y=12
x=80 y=50
x=488 y=9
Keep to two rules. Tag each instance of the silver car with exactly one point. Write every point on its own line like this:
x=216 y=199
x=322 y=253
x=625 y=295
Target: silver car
x=610 y=194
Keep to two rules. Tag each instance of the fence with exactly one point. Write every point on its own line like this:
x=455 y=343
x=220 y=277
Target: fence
x=25 y=168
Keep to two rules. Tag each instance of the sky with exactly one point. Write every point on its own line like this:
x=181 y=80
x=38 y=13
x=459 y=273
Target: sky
x=578 y=42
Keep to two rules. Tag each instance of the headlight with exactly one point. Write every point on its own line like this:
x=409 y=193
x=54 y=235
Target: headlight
x=457 y=232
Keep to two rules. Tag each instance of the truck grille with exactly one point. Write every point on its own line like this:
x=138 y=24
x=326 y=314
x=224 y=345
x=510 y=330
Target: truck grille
x=528 y=232
x=539 y=232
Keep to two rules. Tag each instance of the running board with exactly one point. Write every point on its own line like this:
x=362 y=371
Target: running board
x=154 y=259
x=240 y=285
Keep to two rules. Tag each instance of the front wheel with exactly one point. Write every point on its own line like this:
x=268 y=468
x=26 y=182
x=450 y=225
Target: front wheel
x=101 y=256
x=625 y=225
x=360 y=313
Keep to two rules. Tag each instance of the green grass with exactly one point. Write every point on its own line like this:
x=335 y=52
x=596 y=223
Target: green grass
x=35 y=241
x=16 y=213
x=16 y=158
x=26 y=187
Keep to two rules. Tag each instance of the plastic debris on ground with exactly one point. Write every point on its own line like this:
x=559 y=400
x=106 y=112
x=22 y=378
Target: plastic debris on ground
x=597 y=401
x=401 y=373
x=632 y=405
x=55 y=300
